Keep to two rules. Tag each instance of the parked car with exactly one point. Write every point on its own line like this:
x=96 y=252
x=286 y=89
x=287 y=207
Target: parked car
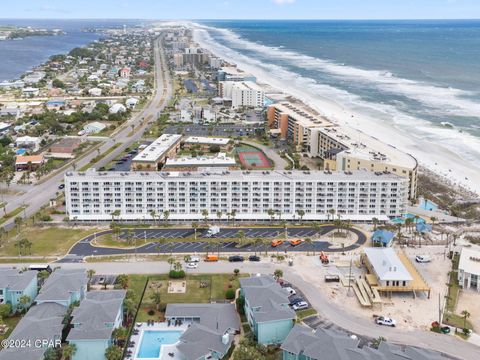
x=300 y=306
x=276 y=243
x=192 y=265
x=291 y=291
x=445 y=329
x=423 y=258
x=61 y=186
x=295 y=242
x=296 y=300
x=194 y=259
x=236 y=258
x=382 y=320
x=254 y=258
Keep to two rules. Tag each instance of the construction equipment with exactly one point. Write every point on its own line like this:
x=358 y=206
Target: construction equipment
x=324 y=258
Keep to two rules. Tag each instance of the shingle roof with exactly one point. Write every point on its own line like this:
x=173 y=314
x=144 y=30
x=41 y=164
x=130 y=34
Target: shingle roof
x=61 y=284
x=16 y=280
x=214 y=321
x=264 y=293
x=42 y=322
x=95 y=311
x=329 y=344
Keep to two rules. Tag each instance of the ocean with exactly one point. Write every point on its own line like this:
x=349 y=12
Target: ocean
x=18 y=56
x=419 y=78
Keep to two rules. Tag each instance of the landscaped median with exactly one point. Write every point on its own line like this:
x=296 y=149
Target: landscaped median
x=12 y=213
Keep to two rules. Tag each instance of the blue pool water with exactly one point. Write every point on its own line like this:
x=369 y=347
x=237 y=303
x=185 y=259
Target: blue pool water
x=152 y=341
x=428 y=205
x=401 y=220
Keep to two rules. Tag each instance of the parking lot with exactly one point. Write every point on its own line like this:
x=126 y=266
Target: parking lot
x=220 y=130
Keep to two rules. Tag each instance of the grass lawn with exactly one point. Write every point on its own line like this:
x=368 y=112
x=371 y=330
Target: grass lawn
x=456 y=321
x=217 y=285
x=11 y=322
x=302 y=314
x=98 y=158
x=11 y=214
x=54 y=241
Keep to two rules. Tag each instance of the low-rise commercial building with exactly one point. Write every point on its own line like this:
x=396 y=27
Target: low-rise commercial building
x=188 y=163
x=154 y=155
x=341 y=147
x=469 y=269
x=267 y=309
x=28 y=162
x=64 y=148
x=357 y=196
x=205 y=143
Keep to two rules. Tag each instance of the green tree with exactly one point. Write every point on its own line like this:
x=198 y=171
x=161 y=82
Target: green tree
x=236 y=272
x=5 y=310
x=122 y=280
x=166 y=215
x=156 y=298
x=120 y=334
x=153 y=215
x=271 y=213
x=57 y=83
x=241 y=238
x=375 y=223
x=114 y=352
x=278 y=273
x=18 y=222
x=309 y=242
x=205 y=215
x=301 y=214
x=68 y=351
x=90 y=273
x=130 y=307
x=171 y=261
x=24 y=301
x=195 y=227
x=219 y=215
x=465 y=315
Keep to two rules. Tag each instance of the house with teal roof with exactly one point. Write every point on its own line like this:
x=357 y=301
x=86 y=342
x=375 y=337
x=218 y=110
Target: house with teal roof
x=267 y=309
x=14 y=284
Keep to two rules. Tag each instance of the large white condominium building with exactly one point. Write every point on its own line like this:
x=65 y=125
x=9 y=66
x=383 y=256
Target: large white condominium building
x=245 y=93
x=358 y=195
x=341 y=147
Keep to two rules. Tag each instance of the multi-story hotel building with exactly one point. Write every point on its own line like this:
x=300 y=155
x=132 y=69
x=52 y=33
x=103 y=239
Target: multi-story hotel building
x=357 y=195
x=242 y=93
x=341 y=147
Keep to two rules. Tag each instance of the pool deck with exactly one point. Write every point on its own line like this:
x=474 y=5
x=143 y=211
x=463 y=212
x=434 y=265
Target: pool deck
x=165 y=349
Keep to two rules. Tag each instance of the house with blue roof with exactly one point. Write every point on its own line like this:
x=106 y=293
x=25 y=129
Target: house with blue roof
x=94 y=322
x=382 y=238
x=14 y=284
x=267 y=309
x=423 y=227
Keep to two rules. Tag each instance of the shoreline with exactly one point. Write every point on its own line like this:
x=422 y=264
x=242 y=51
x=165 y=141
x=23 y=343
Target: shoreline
x=447 y=165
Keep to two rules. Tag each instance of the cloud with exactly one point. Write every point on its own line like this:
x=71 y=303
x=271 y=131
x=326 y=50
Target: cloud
x=283 y=2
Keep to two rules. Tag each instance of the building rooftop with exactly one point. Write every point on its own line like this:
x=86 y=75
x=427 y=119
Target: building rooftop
x=305 y=117
x=16 y=280
x=387 y=264
x=206 y=140
x=24 y=160
x=44 y=322
x=239 y=175
x=92 y=318
x=331 y=344
x=158 y=148
x=220 y=160
x=61 y=283
x=469 y=261
x=270 y=299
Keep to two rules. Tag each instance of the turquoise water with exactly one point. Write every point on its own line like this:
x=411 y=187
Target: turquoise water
x=401 y=220
x=428 y=205
x=152 y=341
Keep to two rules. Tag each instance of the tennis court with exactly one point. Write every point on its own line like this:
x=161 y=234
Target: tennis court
x=254 y=160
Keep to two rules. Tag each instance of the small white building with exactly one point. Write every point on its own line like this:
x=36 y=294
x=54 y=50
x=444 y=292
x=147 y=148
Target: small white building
x=469 y=269
x=30 y=91
x=131 y=103
x=94 y=127
x=116 y=108
x=29 y=142
x=385 y=264
x=95 y=92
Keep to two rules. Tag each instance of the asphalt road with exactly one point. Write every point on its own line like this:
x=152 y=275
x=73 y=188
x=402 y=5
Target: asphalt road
x=38 y=195
x=85 y=248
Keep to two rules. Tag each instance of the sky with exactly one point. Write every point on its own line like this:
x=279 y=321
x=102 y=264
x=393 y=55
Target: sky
x=242 y=9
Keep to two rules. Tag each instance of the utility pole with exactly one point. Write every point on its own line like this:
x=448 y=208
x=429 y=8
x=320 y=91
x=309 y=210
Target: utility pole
x=439 y=311
x=350 y=275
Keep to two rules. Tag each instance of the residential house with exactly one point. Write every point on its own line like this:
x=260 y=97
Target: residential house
x=303 y=343
x=14 y=284
x=30 y=91
x=117 y=108
x=30 y=162
x=93 y=323
x=94 y=127
x=28 y=142
x=267 y=309
x=55 y=103
x=125 y=72
x=42 y=327
x=131 y=103
x=95 y=92
x=211 y=332
x=469 y=269
x=64 y=286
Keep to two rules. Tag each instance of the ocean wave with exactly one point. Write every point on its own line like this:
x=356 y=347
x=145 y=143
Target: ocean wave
x=446 y=100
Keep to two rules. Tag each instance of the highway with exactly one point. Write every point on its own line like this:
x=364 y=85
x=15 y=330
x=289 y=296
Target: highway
x=85 y=248
x=36 y=196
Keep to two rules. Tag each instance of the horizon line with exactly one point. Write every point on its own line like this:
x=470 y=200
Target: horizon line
x=249 y=19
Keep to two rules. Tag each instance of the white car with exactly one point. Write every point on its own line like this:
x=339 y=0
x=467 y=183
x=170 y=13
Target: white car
x=192 y=265
x=194 y=259
x=423 y=258
x=382 y=320
x=290 y=291
x=300 y=306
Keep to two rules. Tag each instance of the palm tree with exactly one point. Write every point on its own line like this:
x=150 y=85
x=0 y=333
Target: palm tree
x=153 y=214
x=166 y=215
x=24 y=300
x=156 y=298
x=207 y=247
x=129 y=236
x=195 y=227
x=233 y=213
x=256 y=243
x=115 y=214
x=301 y=214
x=465 y=315
x=408 y=224
x=114 y=353
x=187 y=258
x=375 y=223
x=205 y=215
x=332 y=213
x=160 y=242
x=130 y=307
x=120 y=333
x=271 y=213
x=241 y=237
x=433 y=219
x=27 y=245
x=171 y=261
x=177 y=266
x=309 y=242
x=90 y=273
x=19 y=244
x=277 y=274
x=266 y=243
x=18 y=221
x=219 y=215
x=68 y=350
x=399 y=232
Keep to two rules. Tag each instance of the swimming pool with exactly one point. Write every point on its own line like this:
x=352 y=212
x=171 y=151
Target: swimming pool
x=152 y=341
x=401 y=220
x=428 y=205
